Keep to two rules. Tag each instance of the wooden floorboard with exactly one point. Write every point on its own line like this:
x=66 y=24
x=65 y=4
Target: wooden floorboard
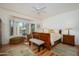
x=43 y=52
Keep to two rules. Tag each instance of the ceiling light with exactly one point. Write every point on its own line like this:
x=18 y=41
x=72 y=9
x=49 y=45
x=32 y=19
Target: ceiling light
x=39 y=9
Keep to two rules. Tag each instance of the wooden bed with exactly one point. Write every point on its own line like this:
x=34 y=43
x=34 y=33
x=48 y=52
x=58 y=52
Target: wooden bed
x=47 y=38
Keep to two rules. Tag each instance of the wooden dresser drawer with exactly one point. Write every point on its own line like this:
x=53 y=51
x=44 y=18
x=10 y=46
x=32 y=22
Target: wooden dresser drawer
x=69 y=39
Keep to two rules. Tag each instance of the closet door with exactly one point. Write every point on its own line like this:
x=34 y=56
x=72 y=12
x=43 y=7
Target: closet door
x=0 y=35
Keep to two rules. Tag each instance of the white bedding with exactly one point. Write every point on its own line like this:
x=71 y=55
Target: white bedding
x=57 y=37
x=54 y=37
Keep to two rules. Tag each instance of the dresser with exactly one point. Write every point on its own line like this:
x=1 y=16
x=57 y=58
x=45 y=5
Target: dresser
x=69 y=39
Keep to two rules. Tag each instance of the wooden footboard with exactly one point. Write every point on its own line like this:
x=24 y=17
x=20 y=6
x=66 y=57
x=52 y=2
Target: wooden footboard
x=43 y=36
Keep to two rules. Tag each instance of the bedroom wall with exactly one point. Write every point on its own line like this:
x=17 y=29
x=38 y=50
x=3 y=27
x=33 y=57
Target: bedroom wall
x=64 y=20
x=5 y=16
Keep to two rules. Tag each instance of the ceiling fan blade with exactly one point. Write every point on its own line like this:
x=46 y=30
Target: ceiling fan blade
x=42 y=8
x=35 y=8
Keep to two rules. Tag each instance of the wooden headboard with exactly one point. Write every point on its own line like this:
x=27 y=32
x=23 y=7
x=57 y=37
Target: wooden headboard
x=43 y=36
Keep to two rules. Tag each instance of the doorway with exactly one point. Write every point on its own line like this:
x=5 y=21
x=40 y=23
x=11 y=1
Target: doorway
x=0 y=33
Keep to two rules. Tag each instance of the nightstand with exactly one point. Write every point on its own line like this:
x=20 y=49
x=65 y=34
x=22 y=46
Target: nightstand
x=69 y=39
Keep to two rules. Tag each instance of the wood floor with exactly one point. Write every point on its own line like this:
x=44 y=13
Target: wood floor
x=43 y=52
x=77 y=50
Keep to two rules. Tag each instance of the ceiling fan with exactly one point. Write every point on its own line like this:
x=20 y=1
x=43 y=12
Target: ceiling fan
x=39 y=9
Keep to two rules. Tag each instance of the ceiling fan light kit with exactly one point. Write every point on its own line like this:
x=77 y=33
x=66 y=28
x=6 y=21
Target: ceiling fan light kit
x=39 y=9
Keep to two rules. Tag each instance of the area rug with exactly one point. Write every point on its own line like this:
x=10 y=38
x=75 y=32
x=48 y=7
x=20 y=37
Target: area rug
x=20 y=50
x=64 y=50
x=26 y=50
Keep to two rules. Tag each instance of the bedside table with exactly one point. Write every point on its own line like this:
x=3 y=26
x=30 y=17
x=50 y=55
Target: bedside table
x=69 y=39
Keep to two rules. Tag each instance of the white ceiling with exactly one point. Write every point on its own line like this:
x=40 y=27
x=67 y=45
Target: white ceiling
x=51 y=9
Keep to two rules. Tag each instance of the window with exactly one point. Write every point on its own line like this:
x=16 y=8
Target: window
x=11 y=27
x=32 y=27
x=18 y=28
